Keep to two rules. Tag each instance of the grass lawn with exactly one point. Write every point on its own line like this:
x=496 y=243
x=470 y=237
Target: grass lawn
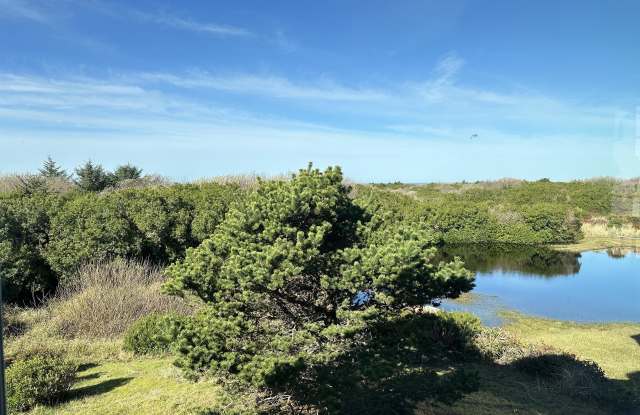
x=140 y=387
x=153 y=386
x=132 y=386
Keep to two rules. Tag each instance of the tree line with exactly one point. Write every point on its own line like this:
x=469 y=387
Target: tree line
x=45 y=235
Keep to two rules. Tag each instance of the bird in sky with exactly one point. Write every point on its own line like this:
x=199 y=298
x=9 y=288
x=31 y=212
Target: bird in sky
x=473 y=136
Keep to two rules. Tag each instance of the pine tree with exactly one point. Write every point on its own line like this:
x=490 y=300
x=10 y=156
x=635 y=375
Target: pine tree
x=51 y=169
x=92 y=177
x=127 y=172
x=298 y=273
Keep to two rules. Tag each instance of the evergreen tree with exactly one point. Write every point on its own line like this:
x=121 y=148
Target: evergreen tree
x=126 y=172
x=92 y=177
x=300 y=274
x=51 y=169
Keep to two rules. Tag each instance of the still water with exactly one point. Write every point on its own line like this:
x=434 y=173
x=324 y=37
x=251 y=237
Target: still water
x=595 y=286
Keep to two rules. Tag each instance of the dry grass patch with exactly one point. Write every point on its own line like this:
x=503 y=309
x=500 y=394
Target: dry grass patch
x=104 y=298
x=597 y=229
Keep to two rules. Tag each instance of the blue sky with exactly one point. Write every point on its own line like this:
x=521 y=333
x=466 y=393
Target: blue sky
x=388 y=90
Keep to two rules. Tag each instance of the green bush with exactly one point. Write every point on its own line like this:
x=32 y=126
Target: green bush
x=24 y=230
x=154 y=333
x=583 y=379
x=456 y=330
x=550 y=364
x=499 y=346
x=156 y=223
x=91 y=227
x=294 y=282
x=41 y=379
x=162 y=217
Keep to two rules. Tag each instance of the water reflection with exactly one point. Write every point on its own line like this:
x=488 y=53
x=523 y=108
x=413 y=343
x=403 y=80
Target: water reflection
x=520 y=259
x=595 y=286
x=621 y=252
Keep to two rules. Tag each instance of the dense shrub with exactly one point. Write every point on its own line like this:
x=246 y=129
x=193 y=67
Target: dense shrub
x=456 y=330
x=296 y=275
x=552 y=224
x=211 y=201
x=40 y=379
x=154 y=333
x=24 y=232
x=48 y=231
x=461 y=219
x=162 y=218
x=156 y=223
x=91 y=227
x=499 y=346
x=102 y=299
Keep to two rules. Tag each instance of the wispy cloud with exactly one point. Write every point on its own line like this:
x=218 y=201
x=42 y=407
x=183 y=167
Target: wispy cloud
x=448 y=67
x=192 y=25
x=23 y=9
x=438 y=107
x=435 y=89
x=269 y=86
x=351 y=126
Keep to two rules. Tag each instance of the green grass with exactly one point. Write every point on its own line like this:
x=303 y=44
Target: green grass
x=614 y=346
x=154 y=386
x=142 y=386
x=119 y=383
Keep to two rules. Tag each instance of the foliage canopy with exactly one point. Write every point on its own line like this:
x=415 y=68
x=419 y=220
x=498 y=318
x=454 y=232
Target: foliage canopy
x=296 y=274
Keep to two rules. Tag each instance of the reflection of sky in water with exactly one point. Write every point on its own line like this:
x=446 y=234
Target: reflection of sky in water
x=604 y=289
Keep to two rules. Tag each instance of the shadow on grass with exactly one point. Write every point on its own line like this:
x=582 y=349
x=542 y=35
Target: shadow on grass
x=86 y=366
x=98 y=388
x=418 y=362
x=395 y=369
x=581 y=380
x=89 y=376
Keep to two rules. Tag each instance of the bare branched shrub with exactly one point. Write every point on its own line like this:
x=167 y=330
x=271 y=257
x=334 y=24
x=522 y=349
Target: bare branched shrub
x=143 y=182
x=499 y=346
x=27 y=182
x=244 y=181
x=104 y=298
x=505 y=215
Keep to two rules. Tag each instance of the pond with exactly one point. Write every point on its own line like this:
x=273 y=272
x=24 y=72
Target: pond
x=594 y=286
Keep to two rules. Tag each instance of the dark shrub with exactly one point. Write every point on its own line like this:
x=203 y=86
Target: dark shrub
x=583 y=379
x=551 y=365
x=40 y=379
x=154 y=333
x=93 y=177
x=24 y=228
x=456 y=330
